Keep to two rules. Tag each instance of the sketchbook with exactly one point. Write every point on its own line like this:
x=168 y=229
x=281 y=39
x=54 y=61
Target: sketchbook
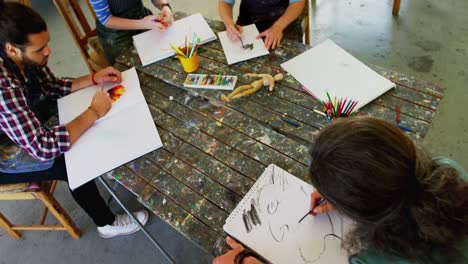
x=153 y=46
x=266 y=221
x=235 y=52
x=125 y=133
x=328 y=67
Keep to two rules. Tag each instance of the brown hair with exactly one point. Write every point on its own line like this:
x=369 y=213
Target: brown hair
x=403 y=203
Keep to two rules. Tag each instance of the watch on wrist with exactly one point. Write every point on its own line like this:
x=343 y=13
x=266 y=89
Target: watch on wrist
x=160 y=6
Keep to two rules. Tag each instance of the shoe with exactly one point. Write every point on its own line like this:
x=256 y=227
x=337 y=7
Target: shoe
x=123 y=225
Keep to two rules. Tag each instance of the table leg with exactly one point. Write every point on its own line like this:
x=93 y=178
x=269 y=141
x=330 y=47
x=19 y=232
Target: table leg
x=109 y=189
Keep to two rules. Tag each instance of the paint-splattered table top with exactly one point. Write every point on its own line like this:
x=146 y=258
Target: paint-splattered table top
x=213 y=151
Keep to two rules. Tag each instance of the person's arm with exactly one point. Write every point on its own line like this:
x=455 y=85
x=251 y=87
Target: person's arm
x=108 y=74
x=232 y=255
x=20 y=124
x=166 y=15
x=99 y=107
x=103 y=13
x=274 y=34
x=234 y=31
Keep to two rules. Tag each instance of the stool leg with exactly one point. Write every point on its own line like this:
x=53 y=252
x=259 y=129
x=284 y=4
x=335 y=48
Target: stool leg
x=56 y=209
x=53 y=185
x=5 y=224
x=396 y=7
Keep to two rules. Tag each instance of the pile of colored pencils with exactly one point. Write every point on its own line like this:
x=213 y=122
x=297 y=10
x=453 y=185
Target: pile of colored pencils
x=338 y=107
x=189 y=49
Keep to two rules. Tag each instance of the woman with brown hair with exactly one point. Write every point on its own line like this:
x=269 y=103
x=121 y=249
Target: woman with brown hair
x=407 y=207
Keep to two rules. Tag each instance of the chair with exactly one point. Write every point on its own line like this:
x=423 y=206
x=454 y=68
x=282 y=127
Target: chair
x=84 y=36
x=44 y=193
x=396 y=7
x=23 y=2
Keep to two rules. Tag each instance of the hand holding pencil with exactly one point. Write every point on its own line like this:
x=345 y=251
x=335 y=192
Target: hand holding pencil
x=152 y=22
x=318 y=205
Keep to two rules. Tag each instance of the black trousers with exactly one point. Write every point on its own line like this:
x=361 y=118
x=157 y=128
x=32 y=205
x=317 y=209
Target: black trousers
x=87 y=195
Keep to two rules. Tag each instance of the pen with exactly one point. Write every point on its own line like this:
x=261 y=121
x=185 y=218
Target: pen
x=322 y=201
x=290 y=121
x=405 y=128
x=319 y=112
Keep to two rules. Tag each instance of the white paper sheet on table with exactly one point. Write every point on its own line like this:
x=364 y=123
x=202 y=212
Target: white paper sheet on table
x=280 y=199
x=233 y=49
x=153 y=45
x=125 y=133
x=328 y=67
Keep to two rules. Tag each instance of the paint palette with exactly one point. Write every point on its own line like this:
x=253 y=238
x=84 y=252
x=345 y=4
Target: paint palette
x=208 y=81
x=116 y=92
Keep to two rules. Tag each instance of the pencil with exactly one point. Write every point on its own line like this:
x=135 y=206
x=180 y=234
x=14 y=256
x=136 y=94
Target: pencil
x=322 y=201
x=290 y=121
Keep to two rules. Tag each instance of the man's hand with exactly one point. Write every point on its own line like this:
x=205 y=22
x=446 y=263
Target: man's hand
x=272 y=36
x=152 y=22
x=166 y=16
x=234 y=31
x=315 y=197
x=101 y=103
x=108 y=74
x=228 y=258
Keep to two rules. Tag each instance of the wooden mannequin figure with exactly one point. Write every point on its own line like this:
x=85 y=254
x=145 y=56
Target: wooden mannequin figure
x=248 y=89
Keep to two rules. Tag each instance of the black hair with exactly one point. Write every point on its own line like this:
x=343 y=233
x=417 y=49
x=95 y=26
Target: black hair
x=17 y=22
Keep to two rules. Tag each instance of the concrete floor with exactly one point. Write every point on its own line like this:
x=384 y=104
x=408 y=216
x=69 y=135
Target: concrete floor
x=428 y=40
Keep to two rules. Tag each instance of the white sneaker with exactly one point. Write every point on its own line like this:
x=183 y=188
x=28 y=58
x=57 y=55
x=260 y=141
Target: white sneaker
x=123 y=225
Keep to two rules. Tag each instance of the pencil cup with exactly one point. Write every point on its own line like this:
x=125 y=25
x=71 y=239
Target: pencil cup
x=189 y=64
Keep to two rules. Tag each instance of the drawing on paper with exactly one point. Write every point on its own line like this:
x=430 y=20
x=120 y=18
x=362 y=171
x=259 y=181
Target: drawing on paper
x=269 y=210
x=116 y=92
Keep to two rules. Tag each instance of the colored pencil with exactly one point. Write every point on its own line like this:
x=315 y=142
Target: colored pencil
x=338 y=107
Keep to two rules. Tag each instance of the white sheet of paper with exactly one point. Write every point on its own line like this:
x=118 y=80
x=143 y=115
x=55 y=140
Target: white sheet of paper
x=153 y=45
x=280 y=200
x=127 y=132
x=328 y=67
x=233 y=49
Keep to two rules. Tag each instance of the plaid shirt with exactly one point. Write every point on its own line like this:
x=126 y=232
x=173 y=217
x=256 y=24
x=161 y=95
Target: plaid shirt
x=19 y=122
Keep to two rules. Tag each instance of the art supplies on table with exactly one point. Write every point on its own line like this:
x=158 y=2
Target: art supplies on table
x=188 y=55
x=245 y=48
x=327 y=67
x=338 y=107
x=153 y=45
x=126 y=132
x=267 y=221
x=211 y=81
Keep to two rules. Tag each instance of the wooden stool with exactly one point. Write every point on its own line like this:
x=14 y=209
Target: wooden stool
x=43 y=192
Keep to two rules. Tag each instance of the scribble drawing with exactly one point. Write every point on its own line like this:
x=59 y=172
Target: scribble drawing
x=250 y=217
x=324 y=248
x=322 y=252
x=282 y=231
x=273 y=206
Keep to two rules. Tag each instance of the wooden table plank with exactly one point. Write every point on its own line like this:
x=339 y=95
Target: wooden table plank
x=187 y=198
x=170 y=212
x=194 y=178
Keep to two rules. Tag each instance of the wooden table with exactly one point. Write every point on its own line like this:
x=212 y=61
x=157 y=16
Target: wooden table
x=213 y=151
